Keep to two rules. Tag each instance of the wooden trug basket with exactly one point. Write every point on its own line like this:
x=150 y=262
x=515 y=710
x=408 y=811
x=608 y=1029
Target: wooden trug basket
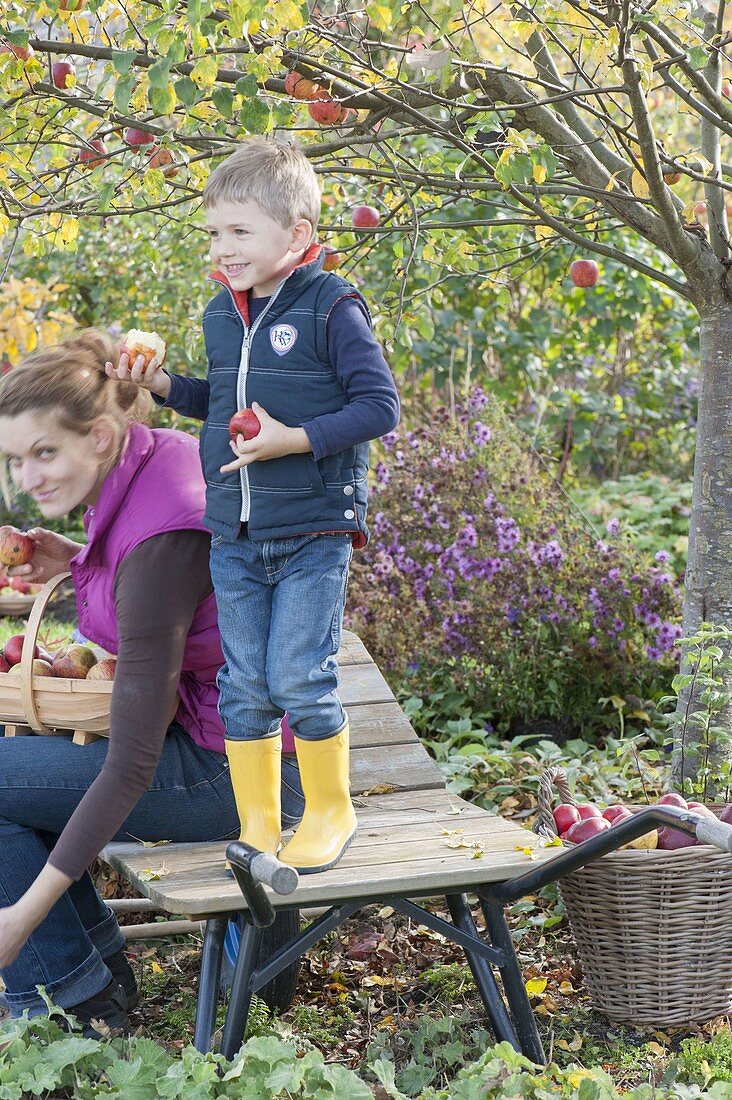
x=42 y=704
x=652 y=928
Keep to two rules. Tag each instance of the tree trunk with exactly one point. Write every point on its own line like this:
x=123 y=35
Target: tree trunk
x=708 y=583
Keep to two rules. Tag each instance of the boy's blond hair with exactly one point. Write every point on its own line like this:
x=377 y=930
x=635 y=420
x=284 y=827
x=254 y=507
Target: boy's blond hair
x=275 y=175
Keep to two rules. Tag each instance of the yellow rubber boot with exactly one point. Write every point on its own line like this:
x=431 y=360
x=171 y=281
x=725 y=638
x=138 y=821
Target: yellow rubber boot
x=329 y=823
x=255 y=770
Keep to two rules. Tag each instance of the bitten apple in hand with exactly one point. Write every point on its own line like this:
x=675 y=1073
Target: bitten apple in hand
x=146 y=344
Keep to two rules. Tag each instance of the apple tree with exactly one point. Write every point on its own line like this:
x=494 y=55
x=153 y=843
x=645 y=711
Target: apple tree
x=482 y=134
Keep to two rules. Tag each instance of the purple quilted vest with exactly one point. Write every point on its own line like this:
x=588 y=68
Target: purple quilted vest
x=157 y=486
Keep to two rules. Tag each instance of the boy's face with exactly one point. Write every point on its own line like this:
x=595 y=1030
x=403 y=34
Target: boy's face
x=253 y=251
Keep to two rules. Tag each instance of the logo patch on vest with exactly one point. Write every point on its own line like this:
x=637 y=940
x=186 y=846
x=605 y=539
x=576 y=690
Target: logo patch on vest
x=282 y=338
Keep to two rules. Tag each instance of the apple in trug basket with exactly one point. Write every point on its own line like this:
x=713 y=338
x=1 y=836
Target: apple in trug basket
x=15 y=547
x=244 y=422
x=565 y=816
x=583 y=830
x=4 y=666
x=38 y=668
x=103 y=670
x=73 y=662
x=14 y=649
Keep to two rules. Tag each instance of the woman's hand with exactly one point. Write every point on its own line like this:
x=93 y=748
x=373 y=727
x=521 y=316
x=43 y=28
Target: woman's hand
x=273 y=441
x=52 y=556
x=15 y=928
x=151 y=377
x=19 y=920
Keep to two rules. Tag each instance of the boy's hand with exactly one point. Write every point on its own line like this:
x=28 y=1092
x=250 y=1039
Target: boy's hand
x=151 y=377
x=273 y=441
x=52 y=556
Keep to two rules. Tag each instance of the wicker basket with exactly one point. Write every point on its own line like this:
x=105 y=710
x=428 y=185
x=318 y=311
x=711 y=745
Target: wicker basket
x=41 y=704
x=652 y=928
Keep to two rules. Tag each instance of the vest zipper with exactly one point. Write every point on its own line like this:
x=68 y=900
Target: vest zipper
x=241 y=385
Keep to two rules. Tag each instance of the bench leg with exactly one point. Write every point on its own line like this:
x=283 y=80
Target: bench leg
x=513 y=983
x=208 y=984
x=485 y=980
x=241 y=991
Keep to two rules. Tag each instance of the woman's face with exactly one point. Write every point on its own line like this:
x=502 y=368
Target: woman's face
x=57 y=467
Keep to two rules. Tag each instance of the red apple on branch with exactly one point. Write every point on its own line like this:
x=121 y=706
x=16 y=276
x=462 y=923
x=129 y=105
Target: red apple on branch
x=244 y=422
x=325 y=110
x=63 y=73
x=163 y=159
x=331 y=259
x=23 y=53
x=89 y=158
x=365 y=217
x=137 y=139
x=299 y=87
x=584 y=273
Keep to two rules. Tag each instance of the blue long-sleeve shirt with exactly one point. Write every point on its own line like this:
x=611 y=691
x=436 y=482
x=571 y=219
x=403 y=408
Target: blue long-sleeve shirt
x=360 y=367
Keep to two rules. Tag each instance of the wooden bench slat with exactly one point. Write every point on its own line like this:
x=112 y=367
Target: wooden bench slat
x=380 y=724
x=363 y=684
x=353 y=651
x=398 y=766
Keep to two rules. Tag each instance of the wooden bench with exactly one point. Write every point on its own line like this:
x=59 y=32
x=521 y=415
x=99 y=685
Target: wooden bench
x=415 y=840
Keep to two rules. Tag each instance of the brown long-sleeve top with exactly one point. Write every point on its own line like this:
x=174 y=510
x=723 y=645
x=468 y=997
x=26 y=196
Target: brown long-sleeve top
x=157 y=589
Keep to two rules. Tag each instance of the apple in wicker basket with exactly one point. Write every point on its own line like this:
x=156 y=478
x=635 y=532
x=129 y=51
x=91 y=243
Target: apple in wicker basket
x=583 y=830
x=565 y=816
x=73 y=662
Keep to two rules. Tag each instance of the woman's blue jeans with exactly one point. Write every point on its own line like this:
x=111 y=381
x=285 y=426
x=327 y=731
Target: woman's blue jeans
x=42 y=781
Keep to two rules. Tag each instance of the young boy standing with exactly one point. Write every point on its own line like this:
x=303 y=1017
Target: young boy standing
x=294 y=343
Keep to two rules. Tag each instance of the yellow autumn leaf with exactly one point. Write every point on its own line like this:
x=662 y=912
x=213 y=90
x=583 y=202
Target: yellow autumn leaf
x=156 y=968
x=539 y=173
x=638 y=185
x=380 y=15
x=535 y=986
x=543 y=232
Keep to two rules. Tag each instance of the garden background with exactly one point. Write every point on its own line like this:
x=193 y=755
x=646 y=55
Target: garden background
x=523 y=589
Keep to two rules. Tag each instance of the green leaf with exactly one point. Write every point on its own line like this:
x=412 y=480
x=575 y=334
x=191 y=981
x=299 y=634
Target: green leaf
x=223 y=101
x=194 y=12
x=186 y=91
x=162 y=100
x=159 y=74
x=122 y=61
x=254 y=116
x=123 y=92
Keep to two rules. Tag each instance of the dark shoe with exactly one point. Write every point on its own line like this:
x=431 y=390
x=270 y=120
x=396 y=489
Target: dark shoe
x=108 y=1006
x=124 y=975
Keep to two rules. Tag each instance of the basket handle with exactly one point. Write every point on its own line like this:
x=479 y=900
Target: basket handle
x=550 y=779
x=29 y=643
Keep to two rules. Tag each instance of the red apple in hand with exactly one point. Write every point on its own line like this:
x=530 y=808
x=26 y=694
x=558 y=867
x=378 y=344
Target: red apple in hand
x=246 y=423
x=583 y=830
x=15 y=547
x=584 y=272
x=565 y=816
x=62 y=73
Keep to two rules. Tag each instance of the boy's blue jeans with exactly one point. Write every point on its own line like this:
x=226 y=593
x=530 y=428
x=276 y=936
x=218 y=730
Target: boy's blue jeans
x=42 y=781
x=280 y=615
